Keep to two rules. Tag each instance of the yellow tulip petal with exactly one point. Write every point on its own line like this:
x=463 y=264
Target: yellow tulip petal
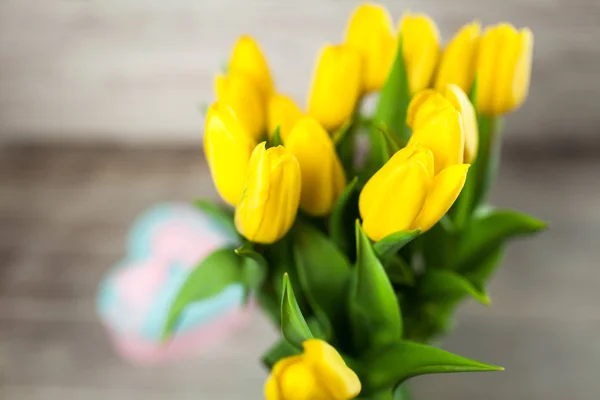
x=395 y=200
x=247 y=58
x=272 y=389
x=445 y=188
x=522 y=74
x=461 y=103
x=228 y=147
x=336 y=85
x=283 y=113
x=370 y=32
x=424 y=105
x=444 y=135
x=457 y=65
x=322 y=173
x=299 y=382
x=421 y=49
x=240 y=93
x=340 y=382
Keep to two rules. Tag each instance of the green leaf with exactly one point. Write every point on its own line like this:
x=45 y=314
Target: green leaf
x=342 y=132
x=391 y=144
x=445 y=284
x=323 y=271
x=345 y=141
x=281 y=349
x=404 y=360
x=399 y=272
x=255 y=266
x=293 y=325
x=479 y=273
x=438 y=245
x=486 y=233
x=270 y=305
x=276 y=138
x=391 y=244
x=222 y=215
x=391 y=111
x=209 y=278
x=344 y=210
x=374 y=311
x=474 y=92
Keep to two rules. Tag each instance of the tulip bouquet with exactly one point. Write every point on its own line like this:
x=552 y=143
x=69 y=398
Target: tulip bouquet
x=363 y=233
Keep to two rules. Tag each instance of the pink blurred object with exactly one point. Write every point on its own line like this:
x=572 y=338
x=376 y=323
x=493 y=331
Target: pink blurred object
x=165 y=244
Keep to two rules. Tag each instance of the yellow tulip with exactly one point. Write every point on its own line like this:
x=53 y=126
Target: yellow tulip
x=336 y=85
x=319 y=373
x=457 y=64
x=429 y=101
x=407 y=193
x=240 y=93
x=269 y=202
x=503 y=69
x=420 y=48
x=248 y=59
x=323 y=177
x=282 y=112
x=370 y=32
x=441 y=131
x=227 y=146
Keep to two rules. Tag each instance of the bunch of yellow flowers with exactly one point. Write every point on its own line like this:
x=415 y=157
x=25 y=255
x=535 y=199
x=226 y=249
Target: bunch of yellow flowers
x=379 y=249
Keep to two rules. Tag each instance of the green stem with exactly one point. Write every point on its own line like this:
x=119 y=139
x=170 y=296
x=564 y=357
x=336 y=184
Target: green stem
x=378 y=396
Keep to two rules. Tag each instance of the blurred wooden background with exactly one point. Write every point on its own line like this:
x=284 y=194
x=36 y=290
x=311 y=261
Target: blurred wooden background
x=136 y=70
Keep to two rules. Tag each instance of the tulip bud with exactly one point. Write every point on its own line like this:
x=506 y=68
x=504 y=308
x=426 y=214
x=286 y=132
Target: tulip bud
x=457 y=64
x=336 y=85
x=503 y=69
x=283 y=113
x=269 y=202
x=438 y=126
x=421 y=49
x=406 y=194
x=241 y=94
x=429 y=101
x=227 y=146
x=323 y=177
x=370 y=32
x=318 y=373
x=248 y=59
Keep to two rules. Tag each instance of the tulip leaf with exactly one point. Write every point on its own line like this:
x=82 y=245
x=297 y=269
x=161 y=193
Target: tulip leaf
x=399 y=272
x=391 y=111
x=216 y=272
x=281 y=349
x=486 y=233
x=276 y=138
x=344 y=210
x=324 y=273
x=403 y=360
x=479 y=273
x=374 y=311
x=342 y=132
x=293 y=325
x=391 y=145
x=445 y=284
x=474 y=92
x=391 y=244
x=222 y=215
x=269 y=305
x=254 y=267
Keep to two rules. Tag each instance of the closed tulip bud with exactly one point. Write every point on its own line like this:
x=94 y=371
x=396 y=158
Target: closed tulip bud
x=240 y=93
x=429 y=101
x=227 y=146
x=283 y=113
x=457 y=64
x=270 y=198
x=407 y=193
x=438 y=127
x=248 y=59
x=503 y=69
x=323 y=177
x=421 y=49
x=370 y=32
x=336 y=85
x=318 y=373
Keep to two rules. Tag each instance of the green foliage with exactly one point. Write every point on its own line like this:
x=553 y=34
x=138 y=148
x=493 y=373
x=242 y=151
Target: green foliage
x=293 y=325
x=281 y=349
x=342 y=217
x=393 y=243
x=221 y=214
x=276 y=138
x=374 y=311
x=209 y=278
x=402 y=360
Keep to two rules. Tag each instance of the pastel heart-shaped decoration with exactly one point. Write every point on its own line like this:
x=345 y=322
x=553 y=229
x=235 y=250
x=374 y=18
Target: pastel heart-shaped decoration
x=165 y=244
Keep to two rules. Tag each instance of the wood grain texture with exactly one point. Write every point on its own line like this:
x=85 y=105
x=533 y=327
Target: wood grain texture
x=135 y=71
x=64 y=213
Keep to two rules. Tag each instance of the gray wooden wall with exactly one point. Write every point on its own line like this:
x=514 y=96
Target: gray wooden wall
x=136 y=70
